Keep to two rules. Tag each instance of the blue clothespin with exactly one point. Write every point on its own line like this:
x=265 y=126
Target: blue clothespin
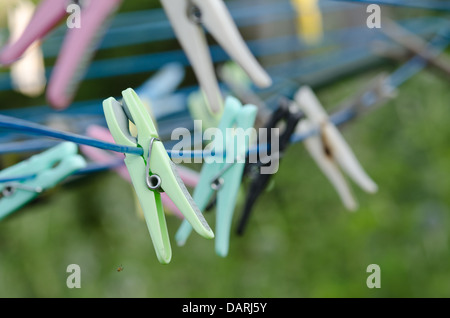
x=223 y=177
x=49 y=168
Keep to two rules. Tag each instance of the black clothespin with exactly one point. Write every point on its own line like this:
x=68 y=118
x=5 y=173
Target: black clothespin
x=290 y=115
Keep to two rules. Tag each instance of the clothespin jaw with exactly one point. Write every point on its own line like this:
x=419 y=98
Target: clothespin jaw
x=290 y=116
x=77 y=47
x=330 y=150
x=186 y=17
x=189 y=177
x=234 y=114
x=152 y=172
x=67 y=161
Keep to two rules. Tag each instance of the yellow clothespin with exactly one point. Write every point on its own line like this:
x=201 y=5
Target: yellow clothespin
x=309 y=20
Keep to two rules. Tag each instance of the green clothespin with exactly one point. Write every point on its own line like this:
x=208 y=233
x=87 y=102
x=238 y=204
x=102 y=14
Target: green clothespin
x=153 y=172
x=225 y=177
x=48 y=168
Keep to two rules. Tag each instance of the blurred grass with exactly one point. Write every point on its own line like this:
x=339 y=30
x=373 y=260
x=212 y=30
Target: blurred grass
x=300 y=241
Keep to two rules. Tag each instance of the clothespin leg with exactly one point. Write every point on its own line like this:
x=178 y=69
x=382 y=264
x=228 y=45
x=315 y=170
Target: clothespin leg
x=329 y=168
x=347 y=160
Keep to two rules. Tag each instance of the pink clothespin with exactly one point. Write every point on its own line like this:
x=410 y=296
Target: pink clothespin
x=77 y=48
x=189 y=177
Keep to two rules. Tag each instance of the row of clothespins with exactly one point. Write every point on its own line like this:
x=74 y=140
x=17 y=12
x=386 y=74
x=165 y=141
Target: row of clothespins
x=149 y=167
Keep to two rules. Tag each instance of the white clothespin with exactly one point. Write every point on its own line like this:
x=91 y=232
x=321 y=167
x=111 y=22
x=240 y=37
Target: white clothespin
x=330 y=150
x=28 y=73
x=187 y=18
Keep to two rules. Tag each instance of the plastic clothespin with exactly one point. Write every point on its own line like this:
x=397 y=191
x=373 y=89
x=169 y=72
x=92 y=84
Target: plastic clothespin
x=223 y=176
x=309 y=20
x=77 y=48
x=287 y=115
x=153 y=172
x=189 y=177
x=330 y=150
x=187 y=18
x=28 y=73
x=47 y=175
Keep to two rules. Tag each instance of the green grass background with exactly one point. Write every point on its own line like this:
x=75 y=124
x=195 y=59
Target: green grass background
x=300 y=241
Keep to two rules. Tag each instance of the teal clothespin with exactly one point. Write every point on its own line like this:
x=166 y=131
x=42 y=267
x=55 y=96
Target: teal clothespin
x=47 y=175
x=153 y=172
x=225 y=177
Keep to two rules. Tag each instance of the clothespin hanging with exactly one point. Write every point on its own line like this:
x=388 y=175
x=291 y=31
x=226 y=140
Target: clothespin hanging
x=309 y=20
x=287 y=115
x=151 y=173
x=189 y=177
x=77 y=48
x=223 y=176
x=330 y=150
x=28 y=73
x=187 y=18
x=18 y=193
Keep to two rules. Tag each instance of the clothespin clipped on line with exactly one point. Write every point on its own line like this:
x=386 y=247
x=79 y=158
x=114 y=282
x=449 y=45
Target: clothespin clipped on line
x=187 y=18
x=415 y=44
x=77 y=47
x=309 y=20
x=28 y=73
x=189 y=177
x=223 y=176
x=16 y=194
x=330 y=150
x=151 y=173
x=288 y=115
